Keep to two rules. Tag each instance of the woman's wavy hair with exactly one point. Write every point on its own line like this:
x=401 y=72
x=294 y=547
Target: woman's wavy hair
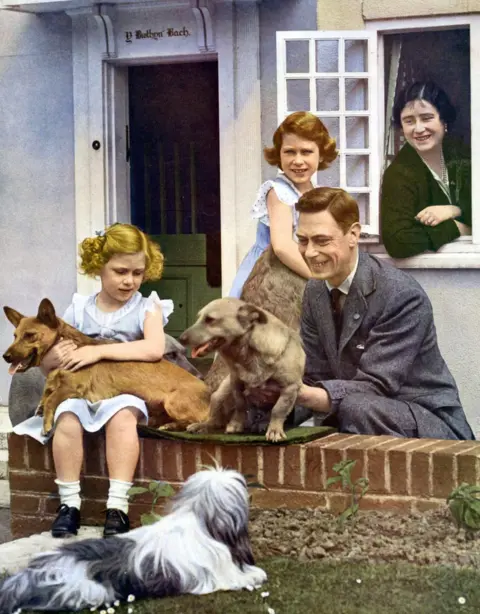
x=429 y=92
x=306 y=126
x=95 y=252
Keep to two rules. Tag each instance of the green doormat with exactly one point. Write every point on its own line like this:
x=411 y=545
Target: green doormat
x=300 y=434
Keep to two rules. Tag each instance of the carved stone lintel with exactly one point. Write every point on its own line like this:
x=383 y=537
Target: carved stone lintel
x=103 y=15
x=203 y=12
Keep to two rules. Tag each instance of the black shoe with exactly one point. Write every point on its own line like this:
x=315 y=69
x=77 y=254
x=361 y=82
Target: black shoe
x=67 y=521
x=116 y=523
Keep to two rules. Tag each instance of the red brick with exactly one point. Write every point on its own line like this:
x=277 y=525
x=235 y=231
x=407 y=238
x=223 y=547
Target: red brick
x=400 y=466
x=25 y=504
x=95 y=461
x=387 y=504
x=230 y=457
x=426 y=505
x=93 y=511
x=291 y=499
x=151 y=453
x=421 y=467
x=292 y=477
x=249 y=461
x=331 y=457
x=189 y=459
x=208 y=457
x=271 y=463
x=336 y=438
x=444 y=469
x=379 y=467
x=468 y=466
x=17 y=451
x=37 y=458
x=94 y=487
x=24 y=526
x=32 y=482
x=171 y=451
x=314 y=469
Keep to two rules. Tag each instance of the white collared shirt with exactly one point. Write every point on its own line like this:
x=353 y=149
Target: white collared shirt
x=344 y=287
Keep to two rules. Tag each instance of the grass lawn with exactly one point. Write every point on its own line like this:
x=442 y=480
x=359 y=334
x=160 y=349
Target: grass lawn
x=327 y=588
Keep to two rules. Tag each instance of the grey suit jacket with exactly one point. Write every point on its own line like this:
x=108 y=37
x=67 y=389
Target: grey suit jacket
x=387 y=347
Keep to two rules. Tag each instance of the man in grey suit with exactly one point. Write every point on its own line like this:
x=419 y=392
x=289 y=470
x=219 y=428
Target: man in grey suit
x=373 y=362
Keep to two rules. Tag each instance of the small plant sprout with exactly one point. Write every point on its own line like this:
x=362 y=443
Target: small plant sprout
x=157 y=490
x=464 y=505
x=357 y=489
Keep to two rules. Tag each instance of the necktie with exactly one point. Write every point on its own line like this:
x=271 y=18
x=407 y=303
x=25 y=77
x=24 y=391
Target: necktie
x=335 y=295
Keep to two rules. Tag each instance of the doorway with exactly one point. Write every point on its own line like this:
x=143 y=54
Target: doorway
x=175 y=179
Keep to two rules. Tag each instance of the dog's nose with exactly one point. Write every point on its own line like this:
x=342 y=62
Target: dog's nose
x=7 y=357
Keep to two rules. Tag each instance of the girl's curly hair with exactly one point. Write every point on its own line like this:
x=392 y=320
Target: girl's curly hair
x=306 y=126
x=95 y=252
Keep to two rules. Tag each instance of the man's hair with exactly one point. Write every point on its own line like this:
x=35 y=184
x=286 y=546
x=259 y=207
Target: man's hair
x=429 y=92
x=341 y=206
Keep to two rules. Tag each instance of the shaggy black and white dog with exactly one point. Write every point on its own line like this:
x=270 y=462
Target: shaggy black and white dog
x=201 y=546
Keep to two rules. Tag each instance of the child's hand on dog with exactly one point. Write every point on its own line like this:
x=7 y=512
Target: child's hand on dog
x=81 y=357
x=57 y=356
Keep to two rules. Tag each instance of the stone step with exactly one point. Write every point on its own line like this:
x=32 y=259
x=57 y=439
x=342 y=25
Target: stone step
x=4 y=493
x=3 y=464
x=3 y=441
x=5 y=424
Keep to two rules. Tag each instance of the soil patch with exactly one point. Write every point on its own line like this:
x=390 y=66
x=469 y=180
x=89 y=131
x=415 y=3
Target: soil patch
x=429 y=538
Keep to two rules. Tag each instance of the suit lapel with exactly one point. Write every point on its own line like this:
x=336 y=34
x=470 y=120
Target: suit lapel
x=325 y=318
x=355 y=306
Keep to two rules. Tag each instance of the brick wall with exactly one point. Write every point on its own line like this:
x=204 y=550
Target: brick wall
x=404 y=474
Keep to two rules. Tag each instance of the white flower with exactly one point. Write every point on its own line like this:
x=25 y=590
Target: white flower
x=462 y=600
x=111 y=611
x=271 y=611
x=93 y=609
x=103 y=611
x=249 y=587
x=359 y=581
x=131 y=598
x=265 y=594
x=130 y=610
x=116 y=603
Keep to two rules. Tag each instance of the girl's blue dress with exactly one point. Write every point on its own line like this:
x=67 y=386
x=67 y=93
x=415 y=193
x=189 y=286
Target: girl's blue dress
x=288 y=194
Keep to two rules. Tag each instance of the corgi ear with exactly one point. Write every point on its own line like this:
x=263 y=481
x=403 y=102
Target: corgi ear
x=248 y=315
x=13 y=316
x=46 y=314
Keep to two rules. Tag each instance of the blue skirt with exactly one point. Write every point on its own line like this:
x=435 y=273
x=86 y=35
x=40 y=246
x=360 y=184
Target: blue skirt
x=262 y=241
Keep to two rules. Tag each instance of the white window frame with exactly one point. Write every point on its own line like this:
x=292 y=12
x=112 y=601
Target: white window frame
x=372 y=228
x=464 y=252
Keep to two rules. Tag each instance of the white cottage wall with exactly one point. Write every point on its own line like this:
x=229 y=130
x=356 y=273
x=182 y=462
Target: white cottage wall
x=37 y=233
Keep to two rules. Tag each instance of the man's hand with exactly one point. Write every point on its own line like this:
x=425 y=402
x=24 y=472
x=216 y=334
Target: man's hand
x=436 y=214
x=82 y=357
x=56 y=357
x=314 y=398
x=465 y=231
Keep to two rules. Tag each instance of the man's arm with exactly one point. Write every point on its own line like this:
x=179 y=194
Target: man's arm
x=392 y=346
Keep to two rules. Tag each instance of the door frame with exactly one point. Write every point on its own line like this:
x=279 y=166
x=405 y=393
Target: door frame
x=101 y=105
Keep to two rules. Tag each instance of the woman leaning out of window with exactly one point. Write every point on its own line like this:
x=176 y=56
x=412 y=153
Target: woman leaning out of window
x=426 y=191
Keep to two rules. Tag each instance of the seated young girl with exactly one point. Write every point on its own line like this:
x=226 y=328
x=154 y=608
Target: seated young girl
x=301 y=147
x=426 y=198
x=122 y=257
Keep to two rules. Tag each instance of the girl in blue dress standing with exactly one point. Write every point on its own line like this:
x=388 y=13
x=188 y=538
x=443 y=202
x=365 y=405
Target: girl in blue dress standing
x=301 y=147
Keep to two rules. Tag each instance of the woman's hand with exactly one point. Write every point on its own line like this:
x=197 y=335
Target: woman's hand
x=436 y=214
x=82 y=357
x=56 y=357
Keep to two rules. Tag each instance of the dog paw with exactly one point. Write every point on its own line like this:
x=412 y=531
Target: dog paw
x=255 y=577
x=200 y=427
x=39 y=410
x=275 y=433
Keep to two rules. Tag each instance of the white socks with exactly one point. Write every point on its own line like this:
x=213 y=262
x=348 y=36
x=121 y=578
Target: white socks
x=69 y=493
x=117 y=495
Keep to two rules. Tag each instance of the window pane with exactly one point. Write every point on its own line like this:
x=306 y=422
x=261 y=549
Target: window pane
x=332 y=124
x=356 y=94
x=328 y=98
x=327 y=55
x=363 y=201
x=357 y=171
x=357 y=132
x=298 y=95
x=330 y=176
x=356 y=56
x=297 y=56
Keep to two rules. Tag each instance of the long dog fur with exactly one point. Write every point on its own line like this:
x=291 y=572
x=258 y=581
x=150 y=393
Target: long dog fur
x=202 y=546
